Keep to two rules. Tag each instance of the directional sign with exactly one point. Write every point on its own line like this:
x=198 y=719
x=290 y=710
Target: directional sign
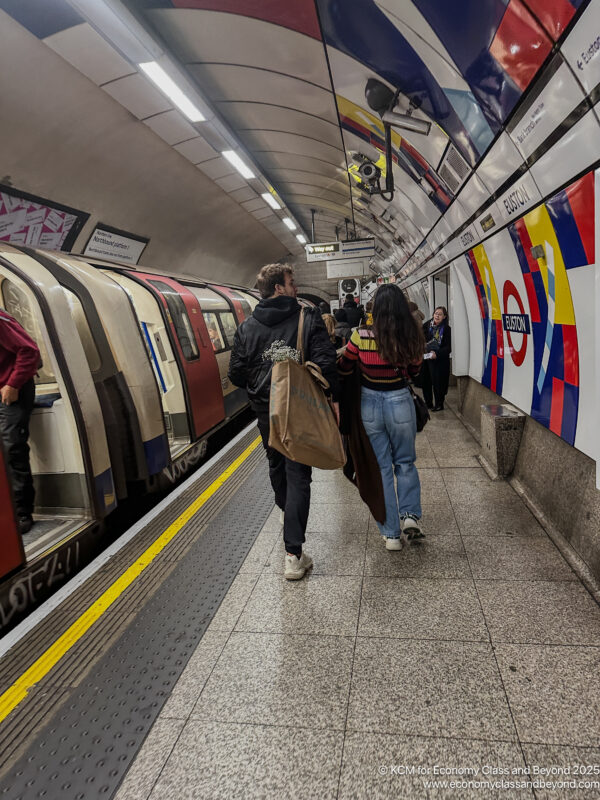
x=328 y=251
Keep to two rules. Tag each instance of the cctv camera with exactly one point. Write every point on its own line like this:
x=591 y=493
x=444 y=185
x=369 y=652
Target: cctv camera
x=369 y=172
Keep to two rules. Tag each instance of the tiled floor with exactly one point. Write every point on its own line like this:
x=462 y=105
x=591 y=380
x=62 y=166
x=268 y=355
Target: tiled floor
x=476 y=652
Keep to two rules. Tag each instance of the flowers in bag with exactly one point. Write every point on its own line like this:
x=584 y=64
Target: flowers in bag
x=280 y=351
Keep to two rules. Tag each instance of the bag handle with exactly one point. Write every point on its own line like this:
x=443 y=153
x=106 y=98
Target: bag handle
x=300 y=339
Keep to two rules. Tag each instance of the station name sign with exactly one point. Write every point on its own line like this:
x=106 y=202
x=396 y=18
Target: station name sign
x=329 y=251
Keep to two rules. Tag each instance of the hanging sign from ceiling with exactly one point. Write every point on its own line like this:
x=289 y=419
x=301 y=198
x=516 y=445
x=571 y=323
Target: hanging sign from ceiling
x=115 y=245
x=329 y=251
x=347 y=268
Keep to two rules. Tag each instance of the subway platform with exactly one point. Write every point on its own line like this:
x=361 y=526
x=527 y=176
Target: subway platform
x=182 y=665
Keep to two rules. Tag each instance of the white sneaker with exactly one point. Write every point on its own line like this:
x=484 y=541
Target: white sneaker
x=281 y=516
x=296 y=567
x=393 y=544
x=412 y=528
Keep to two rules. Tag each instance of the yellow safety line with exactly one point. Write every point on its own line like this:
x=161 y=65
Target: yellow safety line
x=11 y=698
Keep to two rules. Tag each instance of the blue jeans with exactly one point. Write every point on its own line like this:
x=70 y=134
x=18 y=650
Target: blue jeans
x=390 y=422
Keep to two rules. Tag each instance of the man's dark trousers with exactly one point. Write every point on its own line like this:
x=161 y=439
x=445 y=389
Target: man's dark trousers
x=291 y=484
x=14 y=429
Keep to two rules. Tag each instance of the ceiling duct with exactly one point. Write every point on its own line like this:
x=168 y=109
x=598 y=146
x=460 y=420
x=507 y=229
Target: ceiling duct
x=453 y=169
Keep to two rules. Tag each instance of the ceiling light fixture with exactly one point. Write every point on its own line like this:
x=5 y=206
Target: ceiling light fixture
x=270 y=200
x=237 y=162
x=301 y=238
x=291 y=225
x=169 y=88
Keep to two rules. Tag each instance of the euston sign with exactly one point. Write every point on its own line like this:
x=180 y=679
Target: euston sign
x=515 y=323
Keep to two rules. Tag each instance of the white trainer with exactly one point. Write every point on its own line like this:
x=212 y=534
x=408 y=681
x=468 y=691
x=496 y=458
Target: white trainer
x=295 y=567
x=412 y=528
x=393 y=544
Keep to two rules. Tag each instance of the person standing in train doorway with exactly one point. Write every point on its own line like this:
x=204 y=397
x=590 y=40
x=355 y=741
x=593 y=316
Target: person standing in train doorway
x=436 y=372
x=275 y=319
x=19 y=361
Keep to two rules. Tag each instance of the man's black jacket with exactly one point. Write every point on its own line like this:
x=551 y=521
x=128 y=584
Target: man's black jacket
x=273 y=319
x=352 y=313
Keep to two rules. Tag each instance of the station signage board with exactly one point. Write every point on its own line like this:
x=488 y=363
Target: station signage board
x=348 y=268
x=115 y=245
x=331 y=251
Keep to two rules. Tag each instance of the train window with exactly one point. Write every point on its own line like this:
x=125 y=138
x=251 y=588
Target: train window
x=180 y=318
x=83 y=329
x=214 y=331
x=18 y=305
x=248 y=302
x=229 y=327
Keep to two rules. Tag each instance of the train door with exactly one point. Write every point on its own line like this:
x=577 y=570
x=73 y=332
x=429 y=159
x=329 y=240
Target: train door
x=101 y=310
x=68 y=449
x=152 y=324
x=240 y=305
x=195 y=356
x=222 y=325
x=12 y=554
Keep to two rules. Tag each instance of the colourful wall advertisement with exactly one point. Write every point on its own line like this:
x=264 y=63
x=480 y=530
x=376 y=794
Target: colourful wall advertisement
x=529 y=292
x=29 y=220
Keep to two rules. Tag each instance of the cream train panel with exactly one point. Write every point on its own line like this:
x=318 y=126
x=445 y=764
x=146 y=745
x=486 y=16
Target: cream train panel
x=83 y=385
x=123 y=335
x=161 y=354
x=529 y=292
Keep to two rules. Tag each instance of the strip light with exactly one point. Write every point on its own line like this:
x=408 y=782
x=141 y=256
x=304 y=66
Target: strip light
x=237 y=162
x=270 y=200
x=301 y=238
x=169 y=88
x=287 y=221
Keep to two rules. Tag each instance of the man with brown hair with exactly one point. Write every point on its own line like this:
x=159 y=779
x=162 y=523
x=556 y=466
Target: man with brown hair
x=276 y=318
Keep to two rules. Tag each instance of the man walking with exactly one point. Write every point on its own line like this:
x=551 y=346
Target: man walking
x=276 y=318
x=353 y=313
x=19 y=361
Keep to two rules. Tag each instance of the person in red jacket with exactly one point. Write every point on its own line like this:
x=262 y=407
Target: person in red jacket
x=19 y=361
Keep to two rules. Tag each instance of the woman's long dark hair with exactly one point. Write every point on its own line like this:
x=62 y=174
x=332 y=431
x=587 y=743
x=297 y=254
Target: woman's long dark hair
x=398 y=335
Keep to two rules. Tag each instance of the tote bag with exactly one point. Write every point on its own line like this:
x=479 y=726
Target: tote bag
x=303 y=426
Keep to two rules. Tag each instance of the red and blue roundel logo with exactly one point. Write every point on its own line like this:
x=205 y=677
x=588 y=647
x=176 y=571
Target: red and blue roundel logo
x=515 y=323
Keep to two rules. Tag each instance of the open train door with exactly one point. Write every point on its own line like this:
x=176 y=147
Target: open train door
x=195 y=354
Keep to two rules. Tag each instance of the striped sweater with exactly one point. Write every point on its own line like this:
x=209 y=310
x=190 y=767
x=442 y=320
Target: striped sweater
x=375 y=373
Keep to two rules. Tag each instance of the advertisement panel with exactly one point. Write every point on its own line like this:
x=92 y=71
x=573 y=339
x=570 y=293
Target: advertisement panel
x=534 y=285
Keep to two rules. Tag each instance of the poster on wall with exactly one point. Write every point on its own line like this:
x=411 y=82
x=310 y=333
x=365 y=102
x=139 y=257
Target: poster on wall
x=534 y=313
x=29 y=220
x=115 y=245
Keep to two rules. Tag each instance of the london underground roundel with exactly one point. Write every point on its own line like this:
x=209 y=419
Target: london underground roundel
x=515 y=322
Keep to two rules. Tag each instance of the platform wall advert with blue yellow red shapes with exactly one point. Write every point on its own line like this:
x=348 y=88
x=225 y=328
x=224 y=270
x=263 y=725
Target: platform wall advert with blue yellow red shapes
x=529 y=292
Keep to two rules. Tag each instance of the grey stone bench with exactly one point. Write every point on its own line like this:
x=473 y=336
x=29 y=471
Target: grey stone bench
x=501 y=431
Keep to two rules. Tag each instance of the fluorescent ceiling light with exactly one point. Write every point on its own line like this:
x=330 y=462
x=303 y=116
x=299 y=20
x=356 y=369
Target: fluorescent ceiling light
x=287 y=221
x=301 y=238
x=270 y=200
x=168 y=87
x=237 y=162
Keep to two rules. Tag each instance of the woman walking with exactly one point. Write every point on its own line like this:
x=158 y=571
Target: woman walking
x=388 y=354
x=436 y=371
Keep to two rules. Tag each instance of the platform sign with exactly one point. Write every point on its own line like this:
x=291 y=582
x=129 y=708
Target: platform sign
x=348 y=268
x=115 y=245
x=331 y=251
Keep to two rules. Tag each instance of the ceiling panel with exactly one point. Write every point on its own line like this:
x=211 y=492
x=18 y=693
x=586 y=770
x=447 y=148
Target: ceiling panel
x=171 y=126
x=295 y=145
x=88 y=52
x=277 y=118
x=136 y=94
x=217 y=168
x=215 y=37
x=196 y=150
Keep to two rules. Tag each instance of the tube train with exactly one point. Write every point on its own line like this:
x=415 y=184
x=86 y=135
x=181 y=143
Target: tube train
x=133 y=382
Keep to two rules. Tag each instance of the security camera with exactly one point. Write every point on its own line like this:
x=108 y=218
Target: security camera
x=369 y=172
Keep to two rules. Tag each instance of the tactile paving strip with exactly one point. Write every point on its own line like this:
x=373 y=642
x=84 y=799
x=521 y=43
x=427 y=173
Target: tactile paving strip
x=89 y=743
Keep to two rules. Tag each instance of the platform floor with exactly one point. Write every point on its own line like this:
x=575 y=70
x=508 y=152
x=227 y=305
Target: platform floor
x=473 y=656
x=477 y=647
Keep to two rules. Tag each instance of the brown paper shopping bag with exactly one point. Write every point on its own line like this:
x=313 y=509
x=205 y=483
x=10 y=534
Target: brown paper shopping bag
x=302 y=423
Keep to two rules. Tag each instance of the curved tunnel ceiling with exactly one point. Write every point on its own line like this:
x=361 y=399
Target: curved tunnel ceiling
x=498 y=80
x=290 y=79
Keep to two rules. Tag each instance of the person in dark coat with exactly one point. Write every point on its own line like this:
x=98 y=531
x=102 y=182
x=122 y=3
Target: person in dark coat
x=343 y=331
x=435 y=375
x=274 y=319
x=353 y=313
x=19 y=361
